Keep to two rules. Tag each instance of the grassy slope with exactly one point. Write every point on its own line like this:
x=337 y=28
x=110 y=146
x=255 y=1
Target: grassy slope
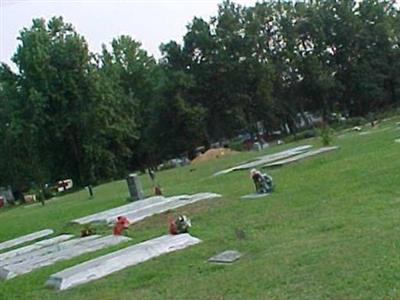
x=329 y=231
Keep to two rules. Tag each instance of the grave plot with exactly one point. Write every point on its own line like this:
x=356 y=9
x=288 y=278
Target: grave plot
x=4 y=257
x=266 y=159
x=114 y=212
x=138 y=214
x=60 y=252
x=113 y=262
x=26 y=238
x=300 y=156
x=175 y=202
x=46 y=250
x=141 y=209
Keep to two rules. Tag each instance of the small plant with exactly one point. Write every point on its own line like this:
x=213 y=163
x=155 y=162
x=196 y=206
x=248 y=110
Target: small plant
x=326 y=134
x=87 y=231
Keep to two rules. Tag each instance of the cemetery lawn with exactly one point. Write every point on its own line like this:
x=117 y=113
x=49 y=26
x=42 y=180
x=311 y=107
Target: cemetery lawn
x=331 y=229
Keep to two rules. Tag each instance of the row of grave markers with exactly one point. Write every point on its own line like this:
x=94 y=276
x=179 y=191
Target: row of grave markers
x=43 y=253
x=20 y=261
x=47 y=252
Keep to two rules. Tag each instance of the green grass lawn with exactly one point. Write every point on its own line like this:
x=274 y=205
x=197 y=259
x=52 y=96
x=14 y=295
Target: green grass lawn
x=330 y=230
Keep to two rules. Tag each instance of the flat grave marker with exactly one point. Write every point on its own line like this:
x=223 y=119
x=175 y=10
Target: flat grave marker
x=36 y=262
x=25 y=238
x=226 y=257
x=121 y=259
x=176 y=202
x=28 y=249
x=255 y=195
x=262 y=160
x=300 y=156
x=142 y=209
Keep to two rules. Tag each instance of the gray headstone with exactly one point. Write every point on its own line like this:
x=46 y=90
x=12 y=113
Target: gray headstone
x=7 y=193
x=135 y=187
x=228 y=256
x=257 y=146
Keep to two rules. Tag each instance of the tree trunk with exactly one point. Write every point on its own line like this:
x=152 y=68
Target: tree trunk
x=77 y=155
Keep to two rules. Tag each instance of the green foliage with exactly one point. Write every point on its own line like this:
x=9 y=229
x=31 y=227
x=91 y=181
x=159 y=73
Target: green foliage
x=304 y=134
x=177 y=127
x=236 y=145
x=67 y=112
x=356 y=121
x=326 y=134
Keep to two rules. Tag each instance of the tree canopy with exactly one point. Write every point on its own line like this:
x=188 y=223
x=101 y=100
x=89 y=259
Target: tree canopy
x=67 y=112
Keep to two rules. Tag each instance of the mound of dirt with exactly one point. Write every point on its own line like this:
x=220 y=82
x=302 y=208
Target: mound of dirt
x=212 y=154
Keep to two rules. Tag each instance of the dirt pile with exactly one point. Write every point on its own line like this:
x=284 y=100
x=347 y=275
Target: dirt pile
x=212 y=154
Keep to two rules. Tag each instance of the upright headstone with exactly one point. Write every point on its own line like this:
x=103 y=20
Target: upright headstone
x=135 y=187
x=7 y=194
x=90 y=190
x=257 y=146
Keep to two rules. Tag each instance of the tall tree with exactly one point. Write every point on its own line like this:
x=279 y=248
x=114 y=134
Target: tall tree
x=53 y=62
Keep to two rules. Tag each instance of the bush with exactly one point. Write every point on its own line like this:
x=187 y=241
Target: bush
x=356 y=121
x=236 y=145
x=326 y=134
x=305 y=134
x=48 y=193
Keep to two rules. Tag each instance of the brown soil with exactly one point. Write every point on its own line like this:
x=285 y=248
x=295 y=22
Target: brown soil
x=213 y=154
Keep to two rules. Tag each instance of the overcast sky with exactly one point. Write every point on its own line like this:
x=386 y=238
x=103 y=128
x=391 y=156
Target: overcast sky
x=151 y=22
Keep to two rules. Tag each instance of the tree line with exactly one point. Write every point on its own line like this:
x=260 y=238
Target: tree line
x=70 y=113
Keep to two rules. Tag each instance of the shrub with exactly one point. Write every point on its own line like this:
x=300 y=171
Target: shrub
x=306 y=134
x=356 y=121
x=326 y=134
x=236 y=145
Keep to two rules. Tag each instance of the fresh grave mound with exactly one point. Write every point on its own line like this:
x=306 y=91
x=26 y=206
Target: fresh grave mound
x=213 y=154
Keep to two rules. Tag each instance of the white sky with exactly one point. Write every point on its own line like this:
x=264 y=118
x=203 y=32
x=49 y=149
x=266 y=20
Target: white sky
x=151 y=22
